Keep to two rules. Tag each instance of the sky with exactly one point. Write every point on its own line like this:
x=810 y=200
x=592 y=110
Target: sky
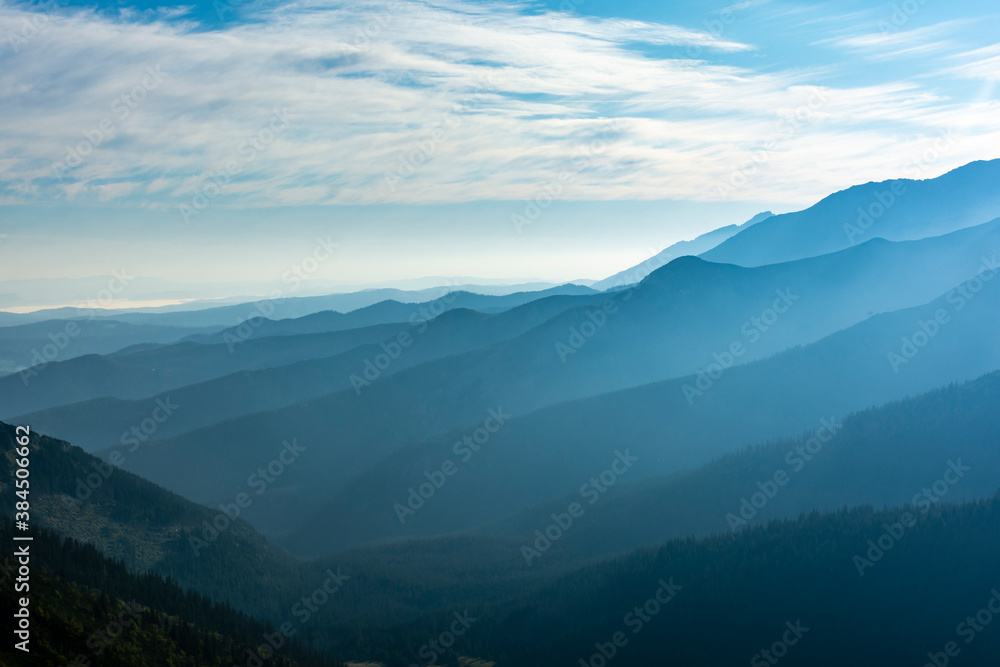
x=555 y=141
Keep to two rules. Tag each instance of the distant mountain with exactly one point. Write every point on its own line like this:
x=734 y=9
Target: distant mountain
x=105 y=422
x=882 y=457
x=286 y=306
x=389 y=311
x=896 y=210
x=695 y=246
x=672 y=426
x=40 y=343
x=144 y=371
x=683 y=317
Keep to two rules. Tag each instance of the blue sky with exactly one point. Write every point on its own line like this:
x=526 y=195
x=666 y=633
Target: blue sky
x=417 y=133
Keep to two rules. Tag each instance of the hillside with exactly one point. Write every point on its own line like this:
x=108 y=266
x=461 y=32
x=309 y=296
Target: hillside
x=671 y=426
x=897 y=210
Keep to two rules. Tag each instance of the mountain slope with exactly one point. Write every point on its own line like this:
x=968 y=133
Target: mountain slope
x=145 y=371
x=882 y=456
x=128 y=518
x=670 y=326
x=106 y=422
x=40 y=343
x=696 y=246
x=897 y=210
x=791 y=588
x=670 y=426
x=89 y=608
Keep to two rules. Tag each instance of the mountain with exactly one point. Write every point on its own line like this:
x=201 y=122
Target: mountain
x=896 y=210
x=101 y=530
x=395 y=598
x=103 y=422
x=886 y=277
x=88 y=607
x=143 y=371
x=351 y=431
x=884 y=456
x=389 y=311
x=696 y=246
x=851 y=588
x=670 y=426
x=284 y=306
x=41 y=343
x=147 y=528
x=146 y=370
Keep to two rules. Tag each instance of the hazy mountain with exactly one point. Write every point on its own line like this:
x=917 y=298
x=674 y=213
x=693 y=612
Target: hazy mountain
x=39 y=343
x=350 y=431
x=155 y=534
x=286 y=306
x=670 y=426
x=390 y=311
x=105 y=422
x=881 y=456
x=146 y=370
x=897 y=210
x=695 y=246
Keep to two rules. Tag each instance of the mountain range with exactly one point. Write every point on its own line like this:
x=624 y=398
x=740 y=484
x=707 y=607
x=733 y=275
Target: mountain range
x=775 y=442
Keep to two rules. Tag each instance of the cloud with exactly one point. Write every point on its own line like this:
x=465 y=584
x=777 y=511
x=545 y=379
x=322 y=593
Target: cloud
x=980 y=64
x=889 y=44
x=419 y=102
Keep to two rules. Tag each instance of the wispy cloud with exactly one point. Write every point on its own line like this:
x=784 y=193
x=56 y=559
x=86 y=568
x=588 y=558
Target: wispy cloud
x=979 y=64
x=887 y=44
x=517 y=95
